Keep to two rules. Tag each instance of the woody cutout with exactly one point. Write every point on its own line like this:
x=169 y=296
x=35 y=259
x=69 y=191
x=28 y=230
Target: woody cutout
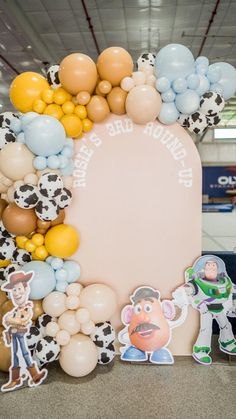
x=17 y=323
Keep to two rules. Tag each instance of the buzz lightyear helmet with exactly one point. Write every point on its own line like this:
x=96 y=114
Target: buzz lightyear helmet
x=199 y=265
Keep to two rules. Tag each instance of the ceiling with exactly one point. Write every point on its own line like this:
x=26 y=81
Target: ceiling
x=36 y=33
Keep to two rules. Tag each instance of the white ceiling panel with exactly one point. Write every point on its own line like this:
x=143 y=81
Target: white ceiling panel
x=63 y=21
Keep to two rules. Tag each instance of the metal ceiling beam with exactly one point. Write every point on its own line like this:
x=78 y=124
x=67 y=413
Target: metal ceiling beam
x=19 y=18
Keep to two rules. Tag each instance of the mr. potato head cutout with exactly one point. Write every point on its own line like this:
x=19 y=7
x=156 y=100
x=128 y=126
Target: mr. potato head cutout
x=148 y=323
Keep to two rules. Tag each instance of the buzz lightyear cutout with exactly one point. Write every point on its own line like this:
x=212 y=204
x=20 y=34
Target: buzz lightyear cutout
x=212 y=293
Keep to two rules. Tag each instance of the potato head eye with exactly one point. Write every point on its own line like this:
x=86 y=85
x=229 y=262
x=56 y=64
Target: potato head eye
x=147 y=308
x=137 y=309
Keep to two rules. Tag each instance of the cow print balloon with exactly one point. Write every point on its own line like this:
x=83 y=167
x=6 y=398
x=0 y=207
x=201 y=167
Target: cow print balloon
x=213 y=120
x=211 y=103
x=147 y=58
x=47 y=350
x=64 y=199
x=42 y=322
x=6 y=118
x=183 y=120
x=103 y=335
x=26 y=196
x=106 y=355
x=50 y=185
x=198 y=122
x=53 y=77
x=13 y=267
x=33 y=337
x=7 y=248
x=47 y=210
x=4 y=232
x=7 y=136
x=21 y=256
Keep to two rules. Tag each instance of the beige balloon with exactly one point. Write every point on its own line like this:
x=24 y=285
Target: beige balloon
x=54 y=304
x=143 y=104
x=82 y=315
x=74 y=289
x=88 y=328
x=79 y=357
x=67 y=321
x=100 y=300
x=72 y=302
x=62 y=337
x=114 y=64
x=52 y=329
x=16 y=161
x=97 y=108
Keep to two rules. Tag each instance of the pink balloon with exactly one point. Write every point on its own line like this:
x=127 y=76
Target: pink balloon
x=67 y=321
x=62 y=337
x=79 y=357
x=143 y=104
x=100 y=300
x=54 y=303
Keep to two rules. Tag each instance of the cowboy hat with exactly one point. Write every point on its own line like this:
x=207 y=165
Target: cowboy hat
x=16 y=278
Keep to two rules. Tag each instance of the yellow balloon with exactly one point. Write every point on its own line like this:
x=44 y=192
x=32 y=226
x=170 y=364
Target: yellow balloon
x=39 y=106
x=37 y=239
x=54 y=110
x=62 y=241
x=68 y=107
x=4 y=263
x=61 y=96
x=48 y=96
x=25 y=89
x=72 y=124
x=80 y=111
x=87 y=125
x=20 y=241
x=41 y=252
x=30 y=246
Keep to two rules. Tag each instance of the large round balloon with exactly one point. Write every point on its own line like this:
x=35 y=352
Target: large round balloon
x=43 y=281
x=19 y=221
x=173 y=61
x=62 y=240
x=54 y=304
x=78 y=73
x=100 y=300
x=143 y=104
x=79 y=357
x=25 y=89
x=16 y=161
x=114 y=64
x=45 y=136
x=227 y=80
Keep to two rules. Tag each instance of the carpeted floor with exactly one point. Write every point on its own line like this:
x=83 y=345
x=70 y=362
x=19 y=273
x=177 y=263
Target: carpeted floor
x=183 y=390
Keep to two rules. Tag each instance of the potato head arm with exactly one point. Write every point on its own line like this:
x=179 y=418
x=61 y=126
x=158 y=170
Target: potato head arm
x=123 y=336
x=181 y=300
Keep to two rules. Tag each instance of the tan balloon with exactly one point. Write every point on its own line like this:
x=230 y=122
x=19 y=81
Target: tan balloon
x=19 y=221
x=116 y=100
x=79 y=357
x=3 y=297
x=83 y=98
x=3 y=205
x=78 y=73
x=143 y=104
x=60 y=218
x=16 y=161
x=67 y=321
x=37 y=309
x=114 y=64
x=54 y=304
x=100 y=300
x=5 y=356
x=98 y=109
x=105 y=87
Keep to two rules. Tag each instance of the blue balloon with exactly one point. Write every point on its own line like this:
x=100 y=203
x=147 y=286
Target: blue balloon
x=168 y=96
x=173 y=61
x=187 y=102
x=68 y=170
x=53 y=162
x=45 y=136
x=43 y=281
x=61 y=286
x=214 y=74
x=20 y=138
x=27 y=118
x=67 y=151
x=201 y=70
x=70 y=142
x=56 y=263
x=40 y=163
x=73 y=270
x=202 y=61
x=204 y=85
x=63 y=161
x=227 y=79
x=216 y=87
x=193 y=81
x=162 y=84
x=15 y=125
x=179 y=85
x=49 y=259
x=168 y=114
x=61 y=275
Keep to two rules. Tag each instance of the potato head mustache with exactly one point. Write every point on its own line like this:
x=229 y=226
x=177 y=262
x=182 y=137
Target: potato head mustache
x=144 y=327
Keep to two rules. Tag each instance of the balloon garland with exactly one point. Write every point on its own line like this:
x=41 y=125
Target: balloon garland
x=36 y=168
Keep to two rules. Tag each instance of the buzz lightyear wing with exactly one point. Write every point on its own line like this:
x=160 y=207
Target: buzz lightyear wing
x=123 y=336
